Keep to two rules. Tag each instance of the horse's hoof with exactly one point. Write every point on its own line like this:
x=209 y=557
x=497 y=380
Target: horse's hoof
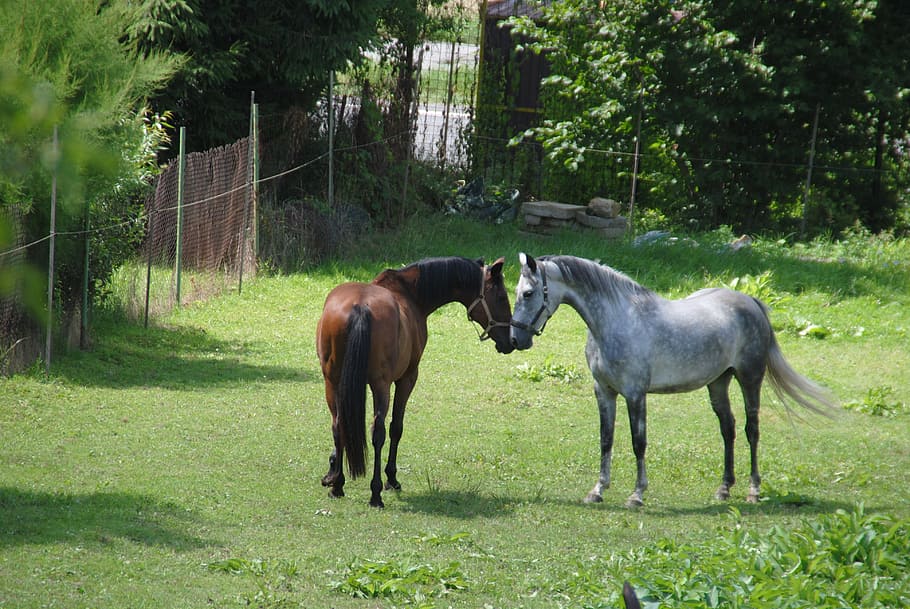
x=393 y=485
x=336 y=493
x=634 y=502
x=593 y=497
x=722 y=494
x=328 y=480
x=752 y=498
x=377 y=503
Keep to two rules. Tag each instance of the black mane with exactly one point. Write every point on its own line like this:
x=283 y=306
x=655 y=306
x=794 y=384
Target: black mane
x=439 y=277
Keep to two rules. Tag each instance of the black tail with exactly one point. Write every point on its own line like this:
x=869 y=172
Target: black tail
x=628 y=595
x=352 y=394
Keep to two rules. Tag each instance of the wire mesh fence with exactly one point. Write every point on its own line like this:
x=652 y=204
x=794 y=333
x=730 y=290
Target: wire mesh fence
x=210 y=231
x=311 y=180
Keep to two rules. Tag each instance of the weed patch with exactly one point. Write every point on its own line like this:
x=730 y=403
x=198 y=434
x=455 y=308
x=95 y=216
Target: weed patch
x=878 y=402
x=561 y=373
x=273 y=581
x=845 y=559
x=396 y=579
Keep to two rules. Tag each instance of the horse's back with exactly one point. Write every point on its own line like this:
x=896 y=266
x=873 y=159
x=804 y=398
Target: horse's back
x=697 y=338
x=392 y=336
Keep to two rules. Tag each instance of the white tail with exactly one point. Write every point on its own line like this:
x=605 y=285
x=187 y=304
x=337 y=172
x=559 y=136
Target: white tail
x=787 y=382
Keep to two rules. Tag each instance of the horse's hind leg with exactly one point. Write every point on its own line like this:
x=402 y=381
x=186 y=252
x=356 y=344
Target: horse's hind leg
x=403 y=388
x=335 y=476
x=380 y=408
x=606 y=405
x=720 y=402
x=752 y=398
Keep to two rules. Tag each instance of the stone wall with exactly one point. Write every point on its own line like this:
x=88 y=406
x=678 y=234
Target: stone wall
x=601 y=215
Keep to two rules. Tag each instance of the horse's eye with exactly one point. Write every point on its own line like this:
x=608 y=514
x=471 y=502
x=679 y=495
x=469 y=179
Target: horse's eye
x=528 y=294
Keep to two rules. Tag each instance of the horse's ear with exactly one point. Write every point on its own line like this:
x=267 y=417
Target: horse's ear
x=496 y=267
x=528 y=261
x=480 y=262
x=628 y=595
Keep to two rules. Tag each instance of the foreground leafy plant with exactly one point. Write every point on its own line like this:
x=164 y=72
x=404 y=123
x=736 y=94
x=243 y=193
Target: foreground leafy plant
x=760 y=286
x=391 y=579
x=560 y=372
x=272 y=580
x=877 y=402
x=846 y=559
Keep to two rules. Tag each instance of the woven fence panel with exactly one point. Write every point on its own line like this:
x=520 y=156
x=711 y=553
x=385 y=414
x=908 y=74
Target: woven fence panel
x=217 y=225
x=216 y=210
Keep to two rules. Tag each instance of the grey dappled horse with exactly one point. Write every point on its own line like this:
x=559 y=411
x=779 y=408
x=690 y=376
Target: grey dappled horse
x=640 y=343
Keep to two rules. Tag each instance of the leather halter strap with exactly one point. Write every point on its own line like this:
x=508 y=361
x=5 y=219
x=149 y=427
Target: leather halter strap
x=481 y=300
x=529 y=327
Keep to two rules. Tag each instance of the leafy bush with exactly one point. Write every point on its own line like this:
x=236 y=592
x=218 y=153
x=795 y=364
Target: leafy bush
x=272 y=579
x=397 y=579
x=560 y=372
x=877 y=402
x=844 y=559
x=759 y=286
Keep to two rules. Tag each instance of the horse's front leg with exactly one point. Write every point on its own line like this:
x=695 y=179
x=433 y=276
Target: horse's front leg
x=380 y=408
x=403 y=389
x=335 y=476
x=637 y=406
x=606 y=406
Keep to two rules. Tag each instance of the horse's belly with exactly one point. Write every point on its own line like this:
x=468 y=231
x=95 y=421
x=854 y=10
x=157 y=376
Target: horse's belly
x=683 y=377
x=676 y=387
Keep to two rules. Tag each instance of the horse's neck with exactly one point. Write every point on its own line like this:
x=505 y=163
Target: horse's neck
x=404 y=285
x=429 y=307
x=578 y=301
x=599 y=309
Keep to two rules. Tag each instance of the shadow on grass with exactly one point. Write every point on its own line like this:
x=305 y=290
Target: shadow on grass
x=172 y=358
x=808 y=506
x=467 y=505
x=95 y=518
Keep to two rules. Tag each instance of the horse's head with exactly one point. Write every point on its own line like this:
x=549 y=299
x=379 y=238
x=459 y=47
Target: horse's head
x=531 y=303
x=491 y=309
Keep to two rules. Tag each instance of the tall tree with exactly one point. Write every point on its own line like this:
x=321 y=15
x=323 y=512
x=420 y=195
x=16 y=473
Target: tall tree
x=284 y=50
x=62 y=65
x=728 y=92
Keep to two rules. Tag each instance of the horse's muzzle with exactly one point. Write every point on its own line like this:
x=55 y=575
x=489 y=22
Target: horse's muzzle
x=521 y=339
x=506 y=348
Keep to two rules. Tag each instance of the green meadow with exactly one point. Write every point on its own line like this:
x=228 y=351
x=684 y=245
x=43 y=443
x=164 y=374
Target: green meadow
x=180 y=465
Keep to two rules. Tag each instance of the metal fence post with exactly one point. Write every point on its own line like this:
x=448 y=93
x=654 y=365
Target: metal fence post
x=149 y=239
x=50 y=262
x=256 y=182
x=331 y=194
x=83 y=317
x=641 y=103
x=248 y=199
x=802 y=222
x=181 y=169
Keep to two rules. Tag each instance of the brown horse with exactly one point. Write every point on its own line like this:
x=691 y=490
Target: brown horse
x=375 y=333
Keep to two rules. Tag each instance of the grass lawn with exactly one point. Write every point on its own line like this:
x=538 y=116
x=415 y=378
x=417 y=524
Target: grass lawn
x=179 y=466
